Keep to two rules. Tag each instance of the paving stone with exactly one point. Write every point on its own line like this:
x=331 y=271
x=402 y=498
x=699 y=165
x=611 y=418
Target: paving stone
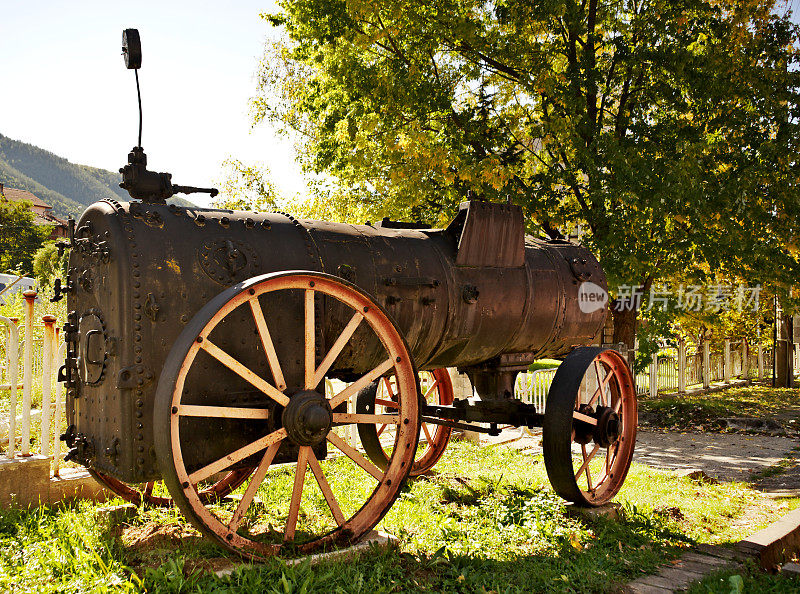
x=681 y=577
x=611 y=511
x=776 y=543
x=791 y=569
x=714 y=562
x=114 y=515
x=641 y=588
x=718 y=551
x=374 y=538
x=656 y=580
x=693 y=566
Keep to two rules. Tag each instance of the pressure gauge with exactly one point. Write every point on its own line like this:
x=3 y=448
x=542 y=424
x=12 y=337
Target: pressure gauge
x=132 y=49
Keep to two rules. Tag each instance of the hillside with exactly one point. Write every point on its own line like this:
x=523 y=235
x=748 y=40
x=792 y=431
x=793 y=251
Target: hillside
x=67 y=187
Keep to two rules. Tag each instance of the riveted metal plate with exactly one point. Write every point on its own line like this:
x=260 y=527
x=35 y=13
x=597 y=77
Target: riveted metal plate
x=227 y=260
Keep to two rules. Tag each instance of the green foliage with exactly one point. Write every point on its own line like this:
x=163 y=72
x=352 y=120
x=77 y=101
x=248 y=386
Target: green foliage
x=669 y=129
x=19 y=237
x=48 y=265
x=246 y=187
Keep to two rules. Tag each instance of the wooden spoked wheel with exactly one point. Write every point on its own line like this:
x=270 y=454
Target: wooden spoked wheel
x=279 y=510
x=152 y=493
x=381 y=398
x=589 y=428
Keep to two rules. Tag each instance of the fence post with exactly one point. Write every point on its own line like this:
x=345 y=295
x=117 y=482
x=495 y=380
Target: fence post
x=60 y=356
x=706 y=364
x=760 y=361
x=745 y=360
x=726 y=361
x=47 y=378
x=27 y=373
x=681 y=366
x=654 y=376
x=12 y=351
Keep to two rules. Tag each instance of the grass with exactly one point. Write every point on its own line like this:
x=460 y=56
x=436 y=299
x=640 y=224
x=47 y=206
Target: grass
x=703 y=412
x=544 y=364
x=487 y=521
x=748 y=578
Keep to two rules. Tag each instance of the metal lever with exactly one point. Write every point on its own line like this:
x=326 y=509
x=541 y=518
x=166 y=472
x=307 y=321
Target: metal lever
x=192 y=190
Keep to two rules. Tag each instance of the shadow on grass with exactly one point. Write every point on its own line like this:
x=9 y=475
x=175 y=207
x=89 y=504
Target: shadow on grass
x=598 y=556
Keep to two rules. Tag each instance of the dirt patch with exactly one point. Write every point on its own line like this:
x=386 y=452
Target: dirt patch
x=149 y=544
x=211 y=565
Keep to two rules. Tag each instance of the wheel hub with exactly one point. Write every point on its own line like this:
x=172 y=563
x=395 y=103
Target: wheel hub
x=608 y=427
x=307 y=418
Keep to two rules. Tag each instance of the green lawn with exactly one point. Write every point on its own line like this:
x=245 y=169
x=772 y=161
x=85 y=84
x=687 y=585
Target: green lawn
x=705 y=411
x=487 y=521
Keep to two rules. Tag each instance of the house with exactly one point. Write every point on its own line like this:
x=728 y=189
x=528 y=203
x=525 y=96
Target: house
x=40 y=208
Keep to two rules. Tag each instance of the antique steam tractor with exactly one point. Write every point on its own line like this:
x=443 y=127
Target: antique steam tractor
x=201 y=343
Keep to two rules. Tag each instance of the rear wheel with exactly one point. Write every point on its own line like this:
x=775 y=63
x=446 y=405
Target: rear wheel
x=589 y=428
x=381 y=398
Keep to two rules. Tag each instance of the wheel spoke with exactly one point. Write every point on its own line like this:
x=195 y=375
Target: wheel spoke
x=431 y=389
x=387 y=403
x=252 y=488
x=297 y=493
x=244 y=372
x=337 y=347
x=238 y=455
x=381 y=429
x=325 y=488
x=618 y=404
x=223 y=412
x=427 y=433
x=601 y=387
x=310 y=340
x=355 y=456
x=585 y=465
x=584 y=418
x=362 y=382
x=266 y=342
x=388 y=383
x=350 y=418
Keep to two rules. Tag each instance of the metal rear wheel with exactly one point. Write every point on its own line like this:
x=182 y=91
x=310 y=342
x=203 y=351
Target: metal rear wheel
x=589 y=428
x=436 y=387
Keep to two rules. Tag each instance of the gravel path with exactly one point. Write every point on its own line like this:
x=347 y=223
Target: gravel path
x=725 y=456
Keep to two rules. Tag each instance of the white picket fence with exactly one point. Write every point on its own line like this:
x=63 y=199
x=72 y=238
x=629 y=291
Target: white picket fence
x=37 y=361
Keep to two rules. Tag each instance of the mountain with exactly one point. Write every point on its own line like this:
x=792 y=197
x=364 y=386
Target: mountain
x=67 y=187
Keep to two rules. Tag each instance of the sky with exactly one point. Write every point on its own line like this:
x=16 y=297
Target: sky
x=64 y=86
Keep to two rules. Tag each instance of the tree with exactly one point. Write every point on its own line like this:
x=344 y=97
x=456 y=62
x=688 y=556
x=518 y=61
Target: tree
x=48 y=265
x=246 y=187
x=19 y=236
x=667 y=127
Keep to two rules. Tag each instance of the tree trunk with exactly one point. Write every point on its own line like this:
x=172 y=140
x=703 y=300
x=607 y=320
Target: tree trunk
x=784 y=346
x=625 y=328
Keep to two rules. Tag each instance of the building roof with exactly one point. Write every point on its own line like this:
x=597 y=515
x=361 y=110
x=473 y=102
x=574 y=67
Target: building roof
x=15 y=195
